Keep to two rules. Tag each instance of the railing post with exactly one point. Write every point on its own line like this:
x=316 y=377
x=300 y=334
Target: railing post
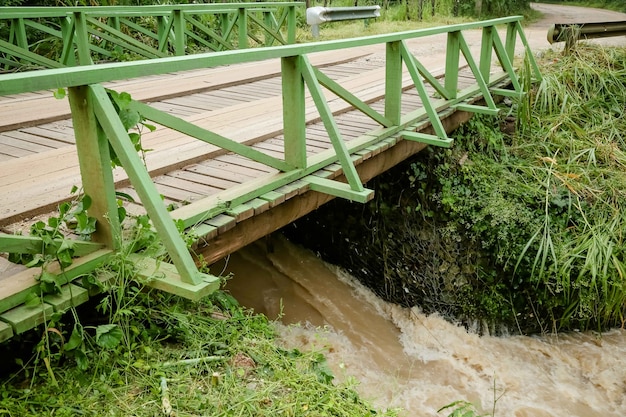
x=95 y=167
x=82 y=38
x=179 y=31
x=294 y=117
x=242 y=20
x=291 y=25
x=269 y=22
x=452 y=64
x=511 y=38
x=486 y=49
x=393 y=83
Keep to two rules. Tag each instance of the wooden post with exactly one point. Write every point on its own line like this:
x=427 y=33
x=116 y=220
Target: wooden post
x=82 y=39
x=486 y=51
x=179 y=32
x=452 y=64
x=294 y=117
x=393 y=83
x=242 y=20
x=95 y=168
x=291 y=25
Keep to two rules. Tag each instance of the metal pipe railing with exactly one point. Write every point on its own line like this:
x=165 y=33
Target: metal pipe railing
x=572 y=32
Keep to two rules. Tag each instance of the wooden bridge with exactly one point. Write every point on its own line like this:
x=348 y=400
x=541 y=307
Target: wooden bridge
x=240 y=143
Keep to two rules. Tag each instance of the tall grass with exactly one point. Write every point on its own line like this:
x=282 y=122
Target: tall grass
x=572 y=138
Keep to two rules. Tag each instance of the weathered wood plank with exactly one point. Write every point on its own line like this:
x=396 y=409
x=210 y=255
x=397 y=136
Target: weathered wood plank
x=222 y=222
x=6 y=332
x=241 y=212
x=16 y=288
x=70 y=296
x=24 y=318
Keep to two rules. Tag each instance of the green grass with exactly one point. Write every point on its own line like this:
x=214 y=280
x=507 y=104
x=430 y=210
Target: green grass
x=178 y=358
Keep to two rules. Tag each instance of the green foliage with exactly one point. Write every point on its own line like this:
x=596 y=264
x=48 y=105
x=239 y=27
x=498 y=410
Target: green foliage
x=72 y=219
x=132 y=120
x=548 y=204
x=214 y=358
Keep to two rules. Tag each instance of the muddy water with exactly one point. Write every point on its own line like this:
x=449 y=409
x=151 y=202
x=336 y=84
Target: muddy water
x=407 y=360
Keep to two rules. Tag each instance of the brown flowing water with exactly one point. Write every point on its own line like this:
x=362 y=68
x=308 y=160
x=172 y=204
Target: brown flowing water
x=404 y=359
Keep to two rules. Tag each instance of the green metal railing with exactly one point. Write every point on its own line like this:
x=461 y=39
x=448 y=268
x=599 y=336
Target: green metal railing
x=55 y=37
x=98 y=125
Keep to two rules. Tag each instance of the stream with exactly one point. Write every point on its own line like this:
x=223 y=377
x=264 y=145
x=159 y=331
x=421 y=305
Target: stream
x=404 y=359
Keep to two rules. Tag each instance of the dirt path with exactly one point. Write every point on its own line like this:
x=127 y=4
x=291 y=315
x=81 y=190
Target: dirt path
x=555 y=13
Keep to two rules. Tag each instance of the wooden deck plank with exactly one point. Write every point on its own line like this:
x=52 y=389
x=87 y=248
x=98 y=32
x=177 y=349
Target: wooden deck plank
x=220 y=170
x=21 y=144
x=14 y=152
x=216 y=184
x=70 y=296
x=6 y=332
x=8 y=269
x=50 y=143
x=24 y=318
x=222 y=222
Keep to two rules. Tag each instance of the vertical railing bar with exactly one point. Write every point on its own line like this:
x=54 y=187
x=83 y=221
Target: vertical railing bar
x=294 y=111
x=82 y=39
x=267 y=19
x=95 y=167
x=486 y=48
x=231 y=24
x=164 y=26
x=393 y=83
x=511 y=39
x=433 y=116
x=291 y=25
x=178 y=17
x=145 y=188
x=451 y=81
x=331 y=125
x=242 y=22
x=21 y=39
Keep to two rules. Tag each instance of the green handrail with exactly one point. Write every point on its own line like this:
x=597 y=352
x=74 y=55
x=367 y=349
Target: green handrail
x=30 y=36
